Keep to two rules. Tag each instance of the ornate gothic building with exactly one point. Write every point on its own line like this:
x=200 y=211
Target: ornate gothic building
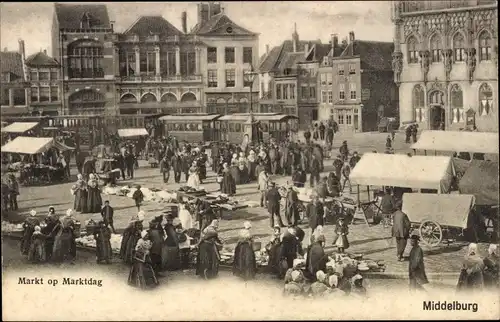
x=445 y=63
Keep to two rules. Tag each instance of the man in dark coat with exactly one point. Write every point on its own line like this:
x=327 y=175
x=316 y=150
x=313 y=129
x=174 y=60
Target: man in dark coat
x=322 y=131
x=315 y=171
x=130 y=163
x=273 y=204
x=416 y=268
x=344 y=151
x=329 y=135
x=165 y=168
x=215 y=156
x=292 y=211
x=289 y=247
x=354 y=159
x=299 y=178
x=187 y=161
x=337 y=165
x=107 y=215
x=315 y=212
x=387 y=207
x=401 y=231
x=414 y=131
x=176 y=163
x=156 y=234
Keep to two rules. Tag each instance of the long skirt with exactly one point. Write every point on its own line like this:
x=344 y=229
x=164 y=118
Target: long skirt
x=142 y=275
x=207 y=262
x=64 y=246
x=26 y=240
x=244 y=264
x=251 y=171
x=274 y=260
x=94 y=200
x=37 y=252
x=80 y=203
x=103 y=250
x=127 y=249
x=171 y=258
x=342 y=242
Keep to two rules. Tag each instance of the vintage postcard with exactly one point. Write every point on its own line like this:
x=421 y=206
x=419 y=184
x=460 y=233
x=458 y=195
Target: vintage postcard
x=251 y=160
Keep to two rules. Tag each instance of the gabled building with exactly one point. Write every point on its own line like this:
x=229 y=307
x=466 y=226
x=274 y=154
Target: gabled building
x=82 y=41
x=230 y=51
x=45 y=90
x=14 y=93
x=363 y=85
x=159 y=68
x=278 y=71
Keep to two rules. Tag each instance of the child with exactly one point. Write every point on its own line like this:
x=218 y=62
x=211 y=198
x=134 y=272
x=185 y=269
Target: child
x=388 y=143
x=342 y=231
x=37 y=253
x=138 y=197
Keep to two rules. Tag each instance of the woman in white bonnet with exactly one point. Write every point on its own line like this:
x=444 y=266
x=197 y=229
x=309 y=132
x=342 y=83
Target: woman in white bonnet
x=131 y=236
x=29 y=225
x=252 y=164
x=244 y=264
x=37 y=252
x=80 y=193
x=471 y=276
x=141 y=273
x=64 y=242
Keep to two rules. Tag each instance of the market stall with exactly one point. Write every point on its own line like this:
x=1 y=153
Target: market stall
x=432 y=174
x=19 y=127
x=132 y=132
x=32 y=146
x=438 y=217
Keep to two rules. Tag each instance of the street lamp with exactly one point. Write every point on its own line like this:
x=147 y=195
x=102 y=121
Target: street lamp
x=249 y=78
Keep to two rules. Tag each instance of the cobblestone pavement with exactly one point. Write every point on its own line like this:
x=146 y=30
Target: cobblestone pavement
x=373 y=242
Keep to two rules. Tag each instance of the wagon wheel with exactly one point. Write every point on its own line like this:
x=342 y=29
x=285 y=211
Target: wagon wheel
x=430 y=232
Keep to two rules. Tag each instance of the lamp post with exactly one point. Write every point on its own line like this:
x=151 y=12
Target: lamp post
x=249 y=78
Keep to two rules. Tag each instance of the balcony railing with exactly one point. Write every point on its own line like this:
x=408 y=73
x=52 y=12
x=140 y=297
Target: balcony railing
x=162 y=79
x=153 y=38
x=86 y=73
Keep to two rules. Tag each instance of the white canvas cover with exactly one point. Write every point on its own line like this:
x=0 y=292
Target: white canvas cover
x=458 y=141
x=194 y=117
x=444 y=209
x=28 y=145
x=19 y=127
x=401 y=170
x=132 y=132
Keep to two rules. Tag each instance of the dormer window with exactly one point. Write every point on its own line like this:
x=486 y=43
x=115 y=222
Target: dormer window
x=85 y=22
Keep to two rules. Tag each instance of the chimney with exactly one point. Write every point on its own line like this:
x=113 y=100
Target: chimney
x=184 y=22
x=112 y=24
x=295 y=38
x=21 y=47
x=267 y=49
x=351 y=37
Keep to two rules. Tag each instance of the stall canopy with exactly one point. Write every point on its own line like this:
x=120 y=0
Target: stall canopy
x=445 y=209
x=62 y=147
x=190 y=117
x=19 y=127
x=458 y=141
x=28 y=145
x=401 y=170
x=132 y=132
x=481 y=180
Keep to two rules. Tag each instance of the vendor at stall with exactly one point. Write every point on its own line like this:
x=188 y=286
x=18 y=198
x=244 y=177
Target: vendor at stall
x=207 y=262
x=244 y=264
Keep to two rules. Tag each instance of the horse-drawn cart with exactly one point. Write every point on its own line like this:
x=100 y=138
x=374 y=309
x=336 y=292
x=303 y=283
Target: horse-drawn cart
x=439 y=217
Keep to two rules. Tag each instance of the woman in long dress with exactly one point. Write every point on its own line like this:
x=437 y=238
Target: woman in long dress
x=28 y=229
x=316 y=257
x=228 y=183
x=471 y=276
x=185 y=217
x=235 y=172
x=131 y=236
x=243 y=167
x=273 y=250
x=94 y=200
x=141 y=273
x=102 y=237
x=194 y=178
x=207 y=262
x=244 y=264
x=251 y=165
x=64 y=241
x=80 y=192
x=170 y=257
x=37 y=252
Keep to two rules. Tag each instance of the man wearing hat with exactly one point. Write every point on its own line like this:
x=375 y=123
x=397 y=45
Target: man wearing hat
x=107 y=215
x=273 y=204
x=291 y=209
x=344 y=151
x=401 y=231
x=416 y=268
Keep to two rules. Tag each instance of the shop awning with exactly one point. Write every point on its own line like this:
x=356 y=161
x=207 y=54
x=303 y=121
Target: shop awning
x=19 y=127
x=458 y=141
x=401 y=170
x=444 y=209
x=190 y=117
x=28 y=145
x=481 y=180
x=124 y=133
x=62 y=147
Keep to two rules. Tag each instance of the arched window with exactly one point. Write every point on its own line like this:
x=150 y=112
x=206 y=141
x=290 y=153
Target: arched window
x=484 y=46
x=86 y=102
x=168 y=97
x=436 y=48
x=459 y=47
x=485 y=100
x=148 y=98
x=457 y=104
x=85 y=59
x=188 y=97
x=221 y=106
x=128 y=98
x=419 y=103
x=412 y=50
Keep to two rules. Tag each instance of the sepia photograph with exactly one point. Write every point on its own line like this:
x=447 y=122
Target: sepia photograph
x=250 y=160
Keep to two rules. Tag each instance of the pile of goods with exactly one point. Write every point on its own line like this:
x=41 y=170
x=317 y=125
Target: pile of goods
x=8 y=227
x=261 y=256
x=352 y=264
x=89 y=241
x=149 y=194
x=200 y=191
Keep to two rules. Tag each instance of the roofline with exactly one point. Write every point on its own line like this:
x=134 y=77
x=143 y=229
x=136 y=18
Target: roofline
x=128 y=29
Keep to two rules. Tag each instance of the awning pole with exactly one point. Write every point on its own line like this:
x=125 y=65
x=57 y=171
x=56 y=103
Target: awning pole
x=359 y=202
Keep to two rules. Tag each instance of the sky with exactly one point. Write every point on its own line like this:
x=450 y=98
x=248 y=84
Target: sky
x=273 y=20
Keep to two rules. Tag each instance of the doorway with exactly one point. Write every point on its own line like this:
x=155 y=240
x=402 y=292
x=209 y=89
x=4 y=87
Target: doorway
x=437 y=117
